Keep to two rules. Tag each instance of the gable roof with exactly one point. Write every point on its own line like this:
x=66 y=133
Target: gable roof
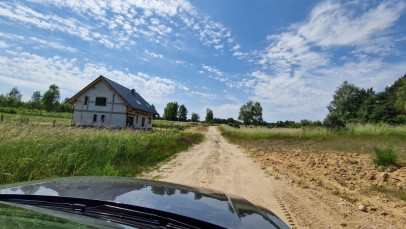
x=130 y=97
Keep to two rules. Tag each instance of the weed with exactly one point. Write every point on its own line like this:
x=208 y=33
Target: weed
x=349 y=198
x=385 y=157
x=400 y=194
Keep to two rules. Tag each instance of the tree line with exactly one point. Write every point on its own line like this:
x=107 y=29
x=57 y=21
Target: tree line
x=352 y=104
x=48 y=101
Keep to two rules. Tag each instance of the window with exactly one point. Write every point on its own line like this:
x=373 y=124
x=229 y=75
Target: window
x=86 y=100
x=95 y=118
x=102 y=118
x=149 y=120
x=100 y=101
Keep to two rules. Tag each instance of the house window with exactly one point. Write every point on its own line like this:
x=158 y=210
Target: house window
x=101 y=101
x=149 y=120
x=86 y=100
x=102 y=118
x=95 y=118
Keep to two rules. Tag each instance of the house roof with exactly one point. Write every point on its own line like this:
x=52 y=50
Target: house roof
x=131 y=97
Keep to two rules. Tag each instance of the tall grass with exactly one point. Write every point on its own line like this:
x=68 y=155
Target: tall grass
x=29 y=152
x=38 y=119
x=315 y=133
x=352 y=139
x=165 y=124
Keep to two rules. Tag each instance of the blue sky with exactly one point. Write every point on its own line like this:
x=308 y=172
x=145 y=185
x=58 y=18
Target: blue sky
x=288 y=55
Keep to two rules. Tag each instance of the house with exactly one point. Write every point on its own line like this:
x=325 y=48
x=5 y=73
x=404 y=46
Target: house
x=106 y=103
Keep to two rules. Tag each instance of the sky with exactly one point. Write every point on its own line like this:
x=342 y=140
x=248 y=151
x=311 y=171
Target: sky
x=288 y=55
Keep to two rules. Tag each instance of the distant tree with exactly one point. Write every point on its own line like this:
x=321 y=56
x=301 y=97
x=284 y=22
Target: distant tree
x=15 y=94
x=13 y=98
x=182 y=113
x=400 y=103
x=251 y=113
x=195 y=117
x=347 y=103
x=35 y=101
x=51 y=98
x=171 y=111
x=153 y=107
x=209 y=115
x=36 y=97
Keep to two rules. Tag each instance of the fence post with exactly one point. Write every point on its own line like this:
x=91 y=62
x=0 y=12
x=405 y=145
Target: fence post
x=1 y=118
x=54 y=123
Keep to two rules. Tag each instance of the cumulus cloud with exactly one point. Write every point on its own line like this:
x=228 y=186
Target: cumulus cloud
x=38 y=72
x=155 y=55
x=299 y=68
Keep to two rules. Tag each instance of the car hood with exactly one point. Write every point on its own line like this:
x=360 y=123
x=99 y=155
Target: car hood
x=209 y=205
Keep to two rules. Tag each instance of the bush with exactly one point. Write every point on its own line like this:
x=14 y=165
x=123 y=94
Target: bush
x=8 y=110
x=385 y=157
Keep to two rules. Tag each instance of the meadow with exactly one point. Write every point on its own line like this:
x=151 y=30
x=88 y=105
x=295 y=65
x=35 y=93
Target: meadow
x=33 y=151
x=354 y=138
x=38 y=118
x=165 y=124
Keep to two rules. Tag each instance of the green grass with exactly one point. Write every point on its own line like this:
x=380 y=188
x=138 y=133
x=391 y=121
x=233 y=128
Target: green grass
x=385 y=157
x=165 y=124
x=353 y=139
x=30 y=152
x=37 y=119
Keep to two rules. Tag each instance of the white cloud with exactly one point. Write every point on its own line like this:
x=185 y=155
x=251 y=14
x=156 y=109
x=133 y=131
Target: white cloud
x=332 y=23
x=299 y=68
x=155 y=55
x=212 y=70
x=54 y=45
x=3 y=45
x=202 y=95
x=39 y=72
x=133 y=18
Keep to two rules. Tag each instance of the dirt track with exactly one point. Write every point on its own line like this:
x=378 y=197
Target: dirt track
x=217 y=164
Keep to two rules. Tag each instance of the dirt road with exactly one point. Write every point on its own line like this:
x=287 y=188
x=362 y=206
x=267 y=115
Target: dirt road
x=217 y=164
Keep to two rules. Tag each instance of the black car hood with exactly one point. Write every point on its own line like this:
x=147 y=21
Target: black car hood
x=200 y=203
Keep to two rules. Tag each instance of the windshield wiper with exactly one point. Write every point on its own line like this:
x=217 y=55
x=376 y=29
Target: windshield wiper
x=125 y=214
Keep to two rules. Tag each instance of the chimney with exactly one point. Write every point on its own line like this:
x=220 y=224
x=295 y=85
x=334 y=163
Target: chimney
x=133 y=91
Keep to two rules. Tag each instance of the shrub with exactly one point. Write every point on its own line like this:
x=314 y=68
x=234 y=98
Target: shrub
x=385 y=157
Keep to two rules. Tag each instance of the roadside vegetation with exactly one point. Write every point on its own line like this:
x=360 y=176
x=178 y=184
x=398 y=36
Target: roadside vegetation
x=30 y=152
x=356 y=138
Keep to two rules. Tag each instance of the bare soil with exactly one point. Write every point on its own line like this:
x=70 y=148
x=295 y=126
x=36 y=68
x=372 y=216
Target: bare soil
x=305 y=190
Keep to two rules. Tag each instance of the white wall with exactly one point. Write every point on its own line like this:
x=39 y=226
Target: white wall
x=114 y=112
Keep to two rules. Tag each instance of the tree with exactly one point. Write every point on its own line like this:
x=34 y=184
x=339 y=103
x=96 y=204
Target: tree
x=347 y=102
x=182 y=113
x=209 y=115
x=195 y=117
x=51 y=98
x=400 y=103
x=36 y=100
x=171 y=111
x=251 y=113
x=15 y=94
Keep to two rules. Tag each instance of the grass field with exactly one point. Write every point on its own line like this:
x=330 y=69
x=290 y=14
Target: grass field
x=30 y=151
x=62 y=119
x=353 y=139
x=165 y=124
